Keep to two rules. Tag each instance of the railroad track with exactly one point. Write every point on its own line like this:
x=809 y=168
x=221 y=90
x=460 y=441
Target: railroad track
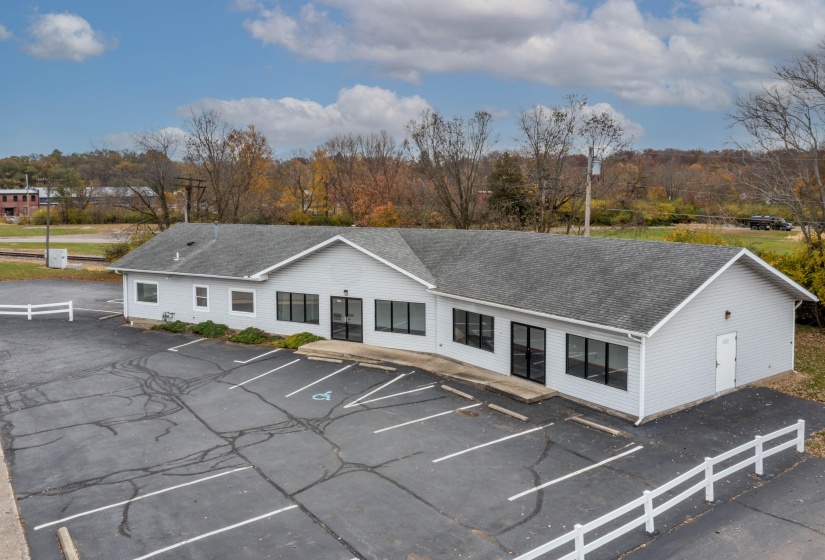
x=22 y=255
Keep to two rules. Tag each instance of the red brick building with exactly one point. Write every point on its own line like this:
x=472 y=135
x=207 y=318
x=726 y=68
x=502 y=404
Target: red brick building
x=18 y=202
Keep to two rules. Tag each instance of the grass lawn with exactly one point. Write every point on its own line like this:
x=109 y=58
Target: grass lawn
x=15 y=230
x=21 y=270
x=777 y=241
x=93 y=249
x=809 y=381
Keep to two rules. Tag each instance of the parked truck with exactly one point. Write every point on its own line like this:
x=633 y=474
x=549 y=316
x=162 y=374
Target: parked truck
x=769 y=222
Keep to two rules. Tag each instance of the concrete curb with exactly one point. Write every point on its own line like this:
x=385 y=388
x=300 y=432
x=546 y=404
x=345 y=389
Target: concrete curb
x=377 y=366
x=67 y=544
x=591 y=424
x=457 y=392
x=323 y=359
x=510 y=413
x=12 y=537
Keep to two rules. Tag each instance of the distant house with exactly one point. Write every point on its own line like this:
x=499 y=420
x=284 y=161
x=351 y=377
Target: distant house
x=634 y=327
x=19 y=202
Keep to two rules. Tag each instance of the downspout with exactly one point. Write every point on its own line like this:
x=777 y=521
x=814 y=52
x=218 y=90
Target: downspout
x=642 y=342
x=125 y=296
x=793 y=336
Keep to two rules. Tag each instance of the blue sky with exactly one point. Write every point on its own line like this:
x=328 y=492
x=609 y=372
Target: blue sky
x=88 y=73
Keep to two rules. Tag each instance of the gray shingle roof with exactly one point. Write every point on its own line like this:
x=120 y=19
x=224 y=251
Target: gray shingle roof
x=619 y=283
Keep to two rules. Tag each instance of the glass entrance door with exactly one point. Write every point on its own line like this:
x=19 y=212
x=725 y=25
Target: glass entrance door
x=527 y=346
x=347 y=319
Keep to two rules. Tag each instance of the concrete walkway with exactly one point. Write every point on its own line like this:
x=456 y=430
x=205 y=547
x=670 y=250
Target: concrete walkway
x=13 y=544
x=515 y=388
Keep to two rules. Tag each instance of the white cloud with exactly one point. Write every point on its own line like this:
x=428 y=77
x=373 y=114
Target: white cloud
x=125 y=140
x=632 y=130
x=701 y=62
x=5 y=34
x=66 y=37
x=290 y=122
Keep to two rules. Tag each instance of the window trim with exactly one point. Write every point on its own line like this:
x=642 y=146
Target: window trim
x=157 y=292
x=593 y=379
x=195 y=306
x=481 y=337
x=392 y=303
x=291 y=320
x=254 y=303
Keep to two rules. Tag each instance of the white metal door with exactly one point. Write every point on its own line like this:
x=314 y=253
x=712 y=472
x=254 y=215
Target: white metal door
x=725 y=361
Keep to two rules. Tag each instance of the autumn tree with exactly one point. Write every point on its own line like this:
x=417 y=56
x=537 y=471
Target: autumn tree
x=234 y=162
x=302 y=184
x=450 y=154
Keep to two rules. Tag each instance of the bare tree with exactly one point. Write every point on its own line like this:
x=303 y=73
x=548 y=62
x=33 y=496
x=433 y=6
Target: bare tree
x=232 y=161
x=451 y=154
x=548 y=137
x=343 y=153
x=785 y=122
x=150 y=175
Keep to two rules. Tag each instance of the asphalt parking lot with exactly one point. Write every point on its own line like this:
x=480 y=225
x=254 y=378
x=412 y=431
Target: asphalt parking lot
x=148 y=444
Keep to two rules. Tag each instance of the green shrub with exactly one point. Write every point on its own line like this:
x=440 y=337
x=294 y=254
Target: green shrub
x=208 y=329
x=250 y=335
x=297 y=340
x=114 y=251
x=704 y=236
x=174 y=326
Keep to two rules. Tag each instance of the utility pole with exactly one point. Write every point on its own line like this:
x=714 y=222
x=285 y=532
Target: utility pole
x=594 y=167
x=48 y=212
x=191 y=183
x=587 y=191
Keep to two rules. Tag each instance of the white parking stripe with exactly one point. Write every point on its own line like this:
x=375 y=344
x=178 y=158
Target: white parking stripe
x=203 y=536
x=256 y=357
x=571 y=475
x=316 y=382
x=490 y=443
x=425 y=418
x=139 y=498
x=359 y=399
x=397 y=394
x=175 y=349
x=263 y=374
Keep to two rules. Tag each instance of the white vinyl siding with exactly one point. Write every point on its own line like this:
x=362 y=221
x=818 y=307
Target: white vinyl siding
x=681 y=357
x=327 y=273
x=556 y=348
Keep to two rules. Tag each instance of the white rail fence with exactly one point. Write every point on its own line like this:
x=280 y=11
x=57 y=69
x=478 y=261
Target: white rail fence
x=646 y=500
x=65 y=307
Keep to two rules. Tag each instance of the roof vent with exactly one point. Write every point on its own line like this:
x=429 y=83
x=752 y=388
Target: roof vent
x=190 y=243
x=177 y=256
x=216 y=231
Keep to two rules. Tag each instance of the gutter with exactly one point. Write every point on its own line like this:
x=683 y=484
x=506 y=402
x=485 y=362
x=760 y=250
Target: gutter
x=248 y=278
x=642 y=348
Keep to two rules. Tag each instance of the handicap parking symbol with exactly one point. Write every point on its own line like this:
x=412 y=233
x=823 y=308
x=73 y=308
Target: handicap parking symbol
x=322 y=396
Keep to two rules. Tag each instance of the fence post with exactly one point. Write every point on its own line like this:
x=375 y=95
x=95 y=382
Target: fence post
x=579 y=541
x=29 y=309
x=708 y=479
x=800 y=433
x=71 y=311
x=759 y=462
x=649 y=512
